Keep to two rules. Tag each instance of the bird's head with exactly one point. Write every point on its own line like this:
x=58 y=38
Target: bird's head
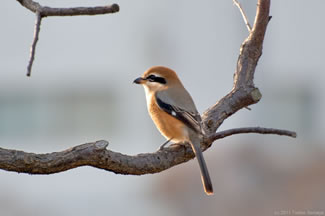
x=158 y=78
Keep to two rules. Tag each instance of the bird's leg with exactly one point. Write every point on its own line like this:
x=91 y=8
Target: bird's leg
x=164 y=144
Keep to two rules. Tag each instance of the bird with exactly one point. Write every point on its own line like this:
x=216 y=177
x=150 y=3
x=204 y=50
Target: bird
x=173 y=111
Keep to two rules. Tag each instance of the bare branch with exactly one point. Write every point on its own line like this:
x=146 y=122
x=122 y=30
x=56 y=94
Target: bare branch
x=245 y=130
x=244 y=93
x=43 y=11
x=76 y=11
x=35 y=39
x=243 y=15
x=96 y=155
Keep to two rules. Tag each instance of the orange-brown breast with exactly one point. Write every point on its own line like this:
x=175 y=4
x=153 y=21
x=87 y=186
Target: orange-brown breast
x=168 y=126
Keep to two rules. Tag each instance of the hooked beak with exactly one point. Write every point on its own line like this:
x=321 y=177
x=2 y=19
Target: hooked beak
x=139 y=80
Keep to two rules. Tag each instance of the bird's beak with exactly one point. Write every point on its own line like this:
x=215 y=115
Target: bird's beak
x=139 y=80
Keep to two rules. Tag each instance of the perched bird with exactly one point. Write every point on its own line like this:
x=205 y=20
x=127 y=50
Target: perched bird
x=174 y=113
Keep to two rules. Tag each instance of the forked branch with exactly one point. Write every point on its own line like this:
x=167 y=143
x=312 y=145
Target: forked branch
x=43 y=11
x=243 y=94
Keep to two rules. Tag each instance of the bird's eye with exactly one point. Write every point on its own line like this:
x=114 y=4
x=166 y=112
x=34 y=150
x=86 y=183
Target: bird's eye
x=153 y=78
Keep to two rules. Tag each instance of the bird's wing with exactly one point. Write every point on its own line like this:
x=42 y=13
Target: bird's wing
x=190 y=119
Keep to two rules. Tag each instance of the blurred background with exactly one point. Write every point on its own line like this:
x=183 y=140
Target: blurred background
x=81 y=91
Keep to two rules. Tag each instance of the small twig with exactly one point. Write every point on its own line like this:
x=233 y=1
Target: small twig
x=260 y=130
x=35 y=39
x=243 y=14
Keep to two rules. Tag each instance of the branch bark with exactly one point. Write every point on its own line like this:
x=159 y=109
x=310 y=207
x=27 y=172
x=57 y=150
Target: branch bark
x=96 y=155
x=76 y=11
x=243 y=94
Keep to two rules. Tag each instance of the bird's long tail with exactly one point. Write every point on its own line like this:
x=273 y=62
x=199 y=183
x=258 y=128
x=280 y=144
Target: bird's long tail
x=205 y=177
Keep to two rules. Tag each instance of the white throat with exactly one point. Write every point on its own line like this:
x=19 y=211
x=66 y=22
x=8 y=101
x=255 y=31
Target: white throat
x=149 y=95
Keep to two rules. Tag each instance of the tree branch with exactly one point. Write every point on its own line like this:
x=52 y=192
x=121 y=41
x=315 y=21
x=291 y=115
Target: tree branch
x=76 y=11
x=96 y=155
x=35 y=39
x=243 y=15
x=245 y=130
x=244 y=93
x=43 y=11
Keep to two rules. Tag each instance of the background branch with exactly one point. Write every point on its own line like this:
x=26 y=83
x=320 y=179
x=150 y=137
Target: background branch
x=75 y=11
x=43 y=11
x=35 y=39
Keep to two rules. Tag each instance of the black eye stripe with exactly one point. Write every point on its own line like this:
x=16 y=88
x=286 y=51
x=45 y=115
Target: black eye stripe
x=153 y=78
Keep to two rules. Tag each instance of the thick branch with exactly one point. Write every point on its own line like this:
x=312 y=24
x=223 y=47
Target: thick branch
x=244 y=93
x=96 y=155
